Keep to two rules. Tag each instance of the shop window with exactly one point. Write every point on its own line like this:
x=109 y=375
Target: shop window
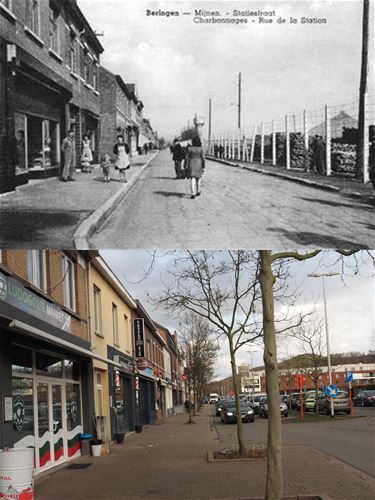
x=48 y=365
x=95 y=77
x=23 y=413
x=36 y=268
x=68 y=282
x=73 y=406
x=115 y=324
x=42 y=138
x=21 y=131
x=97 y=311
x=22 y=360
x=126 y=334
x=54 y=30
x=33 y=15
x=71 y=369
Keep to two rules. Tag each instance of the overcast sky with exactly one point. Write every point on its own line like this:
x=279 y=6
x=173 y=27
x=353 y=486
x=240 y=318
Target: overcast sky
x=350 y=302
x=177 y=64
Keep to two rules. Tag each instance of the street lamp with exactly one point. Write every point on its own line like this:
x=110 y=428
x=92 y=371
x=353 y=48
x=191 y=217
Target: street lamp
x=316 y=275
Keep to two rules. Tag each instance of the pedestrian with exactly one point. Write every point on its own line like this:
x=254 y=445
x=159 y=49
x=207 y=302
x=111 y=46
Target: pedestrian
x=86 y=157
x=178 y=157
x=121 y=151
x=196 y=165
x=106 y=167
x=221 y=151
x=187 y=405
x=67 y=147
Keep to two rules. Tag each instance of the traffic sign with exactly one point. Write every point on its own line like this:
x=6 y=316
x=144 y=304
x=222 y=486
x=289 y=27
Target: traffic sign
x=331 y=390
x=300 y=380
x=348 y=376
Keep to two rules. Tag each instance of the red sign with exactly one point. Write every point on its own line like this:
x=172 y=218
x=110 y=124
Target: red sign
x=142 y=364
x=300 y=380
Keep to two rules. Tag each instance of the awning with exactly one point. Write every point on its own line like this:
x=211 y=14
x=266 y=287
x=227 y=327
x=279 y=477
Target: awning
x=37 y=333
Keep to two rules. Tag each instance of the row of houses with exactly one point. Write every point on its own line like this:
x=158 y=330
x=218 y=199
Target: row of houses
x=78 y=354
x=51 y=81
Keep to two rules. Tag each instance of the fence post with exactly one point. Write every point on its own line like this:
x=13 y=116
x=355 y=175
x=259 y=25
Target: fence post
x=239 y=145
x=233 y=145
x=306 y=137
x=366 y=150
x=262 y=144
x=253 y=145
x=328 y=140
x=273 y=143
x=287 y=143
x=227 y=145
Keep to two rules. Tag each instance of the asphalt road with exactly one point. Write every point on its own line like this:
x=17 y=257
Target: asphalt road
x=237 y=209
x=350 y=440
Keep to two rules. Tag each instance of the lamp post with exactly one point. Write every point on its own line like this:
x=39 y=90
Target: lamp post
x=323 y=275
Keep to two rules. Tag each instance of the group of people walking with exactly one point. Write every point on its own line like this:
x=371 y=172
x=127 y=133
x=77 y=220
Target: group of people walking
x=189 y=163
x=120 y=158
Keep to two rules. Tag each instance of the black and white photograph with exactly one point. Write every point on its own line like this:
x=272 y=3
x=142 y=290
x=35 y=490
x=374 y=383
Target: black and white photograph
x=187 y=263
x=187 y=124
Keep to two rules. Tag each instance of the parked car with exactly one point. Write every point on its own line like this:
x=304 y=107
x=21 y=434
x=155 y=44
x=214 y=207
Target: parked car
x=341 y=403
x=254 y=400
x=364 y=398
x=220 y=405
x=309 y=401
x=228 y=414
x=263 y=408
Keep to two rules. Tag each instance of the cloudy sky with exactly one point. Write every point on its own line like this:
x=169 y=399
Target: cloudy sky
x=178 y=65
x=350 y=301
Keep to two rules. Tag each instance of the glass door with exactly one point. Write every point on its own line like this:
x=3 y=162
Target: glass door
x=43 y=423
x=50 y=442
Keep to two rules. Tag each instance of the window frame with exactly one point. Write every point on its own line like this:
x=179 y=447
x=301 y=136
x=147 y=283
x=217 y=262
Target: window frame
x=115 y=332
x=97 y=310
x=35 y=269
x=69 y=286
x=33 y=22
x=54 y=26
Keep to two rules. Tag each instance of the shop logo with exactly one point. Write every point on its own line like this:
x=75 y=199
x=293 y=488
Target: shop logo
x=3 y=287
x=73 y=409
x=18 y=412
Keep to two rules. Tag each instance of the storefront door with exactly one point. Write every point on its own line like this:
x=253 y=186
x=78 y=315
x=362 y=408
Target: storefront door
x=51 y=438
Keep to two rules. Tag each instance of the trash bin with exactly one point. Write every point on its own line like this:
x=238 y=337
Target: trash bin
x=85 y=443
x=16 y=473
x=138 y=428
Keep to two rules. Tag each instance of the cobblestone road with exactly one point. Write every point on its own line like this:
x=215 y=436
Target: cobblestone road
x=237 y=209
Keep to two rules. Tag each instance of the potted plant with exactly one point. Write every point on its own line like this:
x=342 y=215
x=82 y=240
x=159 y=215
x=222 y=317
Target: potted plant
x=138 y=428
x=120 y=437
x=96 y=447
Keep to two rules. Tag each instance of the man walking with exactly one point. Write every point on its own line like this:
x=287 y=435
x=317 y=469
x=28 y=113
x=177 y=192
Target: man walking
x=68 y=149
x=178 y=156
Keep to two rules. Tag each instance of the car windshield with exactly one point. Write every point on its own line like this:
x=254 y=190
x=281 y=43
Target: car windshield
x=258 y=398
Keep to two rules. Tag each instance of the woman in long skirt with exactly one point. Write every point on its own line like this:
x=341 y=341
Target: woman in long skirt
x=121 y=151
x=196 y=165
x=86 y=158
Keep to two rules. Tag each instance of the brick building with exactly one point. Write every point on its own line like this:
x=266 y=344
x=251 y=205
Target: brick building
x=46 y=362
x=49 y=67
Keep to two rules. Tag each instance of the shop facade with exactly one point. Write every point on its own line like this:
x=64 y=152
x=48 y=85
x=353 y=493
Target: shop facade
x=45 y=376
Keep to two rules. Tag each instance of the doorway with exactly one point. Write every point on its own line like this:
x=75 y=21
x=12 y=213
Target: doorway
x=51 y=426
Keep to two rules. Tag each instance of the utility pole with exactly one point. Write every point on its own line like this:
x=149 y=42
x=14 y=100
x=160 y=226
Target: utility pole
x=209 y=122
x=361 y=163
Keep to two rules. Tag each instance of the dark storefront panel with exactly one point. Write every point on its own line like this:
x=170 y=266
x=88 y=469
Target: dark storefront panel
x=147 y=414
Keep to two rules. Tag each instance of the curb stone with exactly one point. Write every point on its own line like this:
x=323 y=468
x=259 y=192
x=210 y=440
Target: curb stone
x=86 y=229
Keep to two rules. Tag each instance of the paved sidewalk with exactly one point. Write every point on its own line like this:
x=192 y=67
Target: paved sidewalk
x=169 y=461
x=48 y=212
x=346 y=186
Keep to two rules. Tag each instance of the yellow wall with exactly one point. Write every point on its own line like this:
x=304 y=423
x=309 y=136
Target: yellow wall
x=100 y=342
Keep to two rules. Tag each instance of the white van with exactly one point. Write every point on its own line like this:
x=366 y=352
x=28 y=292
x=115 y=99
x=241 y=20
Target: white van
x=214 y=398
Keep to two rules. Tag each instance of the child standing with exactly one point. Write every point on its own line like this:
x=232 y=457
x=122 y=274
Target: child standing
x=106 y=166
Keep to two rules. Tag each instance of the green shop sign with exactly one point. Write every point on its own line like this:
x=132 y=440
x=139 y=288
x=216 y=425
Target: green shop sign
x=15 y=294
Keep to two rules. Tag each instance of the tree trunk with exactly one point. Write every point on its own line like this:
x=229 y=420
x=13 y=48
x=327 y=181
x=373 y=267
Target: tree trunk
x=240 y=436
x=274 y=484
x=194 y=398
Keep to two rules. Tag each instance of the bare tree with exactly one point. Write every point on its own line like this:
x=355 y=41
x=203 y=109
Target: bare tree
x=222 y=288
x=267 y=278
x=199 y=350
x=312 y=343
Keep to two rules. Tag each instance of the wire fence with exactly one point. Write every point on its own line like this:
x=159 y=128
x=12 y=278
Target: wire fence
x=325 y=141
